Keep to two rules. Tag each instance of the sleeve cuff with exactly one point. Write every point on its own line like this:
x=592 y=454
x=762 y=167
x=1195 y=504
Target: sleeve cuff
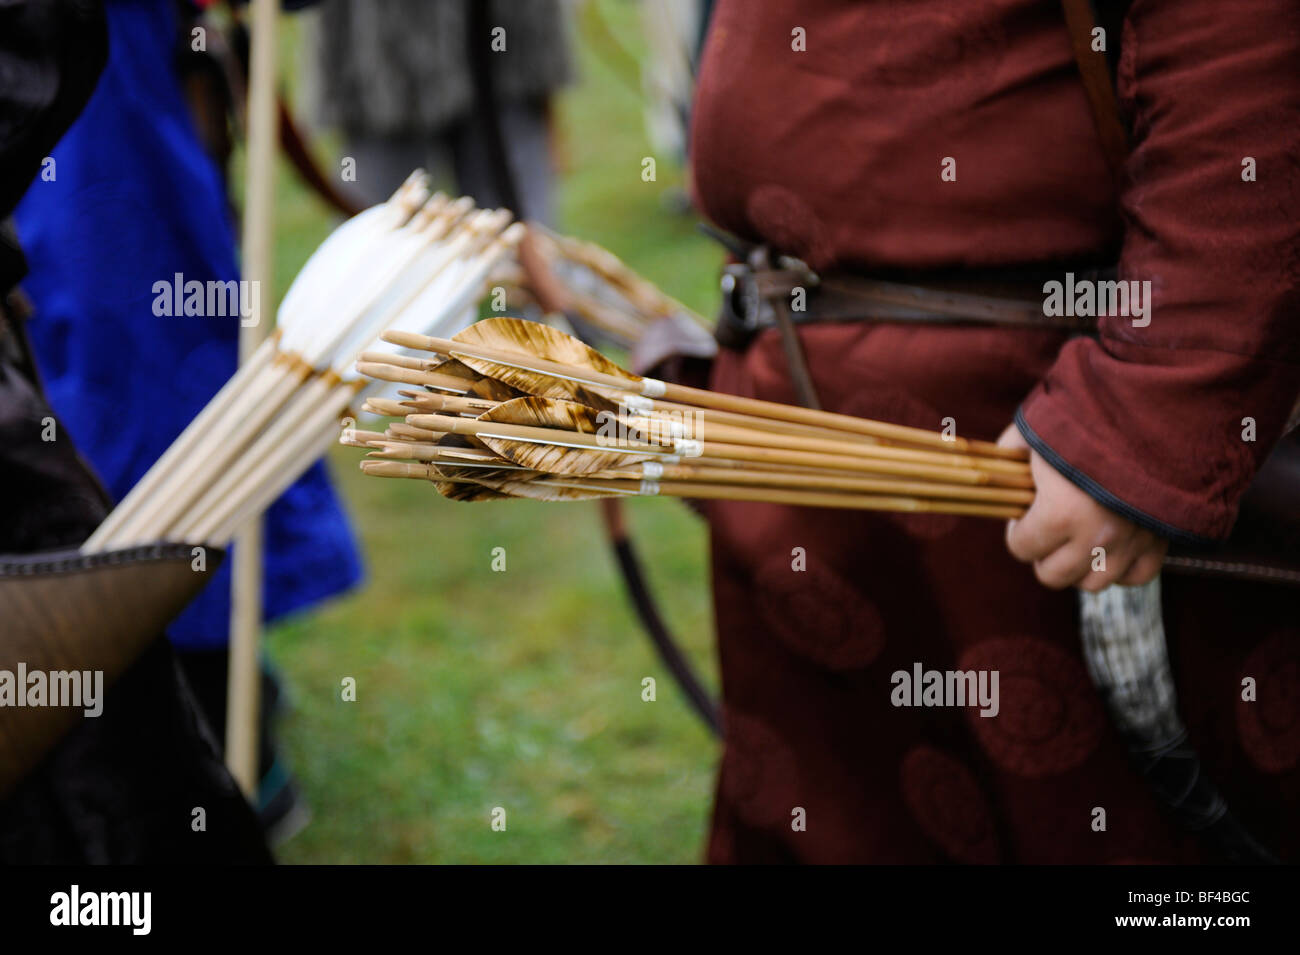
x=1101 y=495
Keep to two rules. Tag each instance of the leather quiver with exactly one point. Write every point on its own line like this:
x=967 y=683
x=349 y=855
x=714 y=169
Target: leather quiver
x=677 y=349
x=68 y=611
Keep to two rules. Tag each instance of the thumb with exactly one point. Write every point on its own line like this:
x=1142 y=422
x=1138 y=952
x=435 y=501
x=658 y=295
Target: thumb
x=1011 y=437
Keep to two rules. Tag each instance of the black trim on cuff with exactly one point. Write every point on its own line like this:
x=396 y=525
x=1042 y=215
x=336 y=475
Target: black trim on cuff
x=1103 y=496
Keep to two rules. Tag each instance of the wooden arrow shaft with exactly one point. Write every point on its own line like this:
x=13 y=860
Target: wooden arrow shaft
x=703 y=398
x=794 y=498
x=581 y=441
x=830 y=482
x=708 y=491
x=662 y=428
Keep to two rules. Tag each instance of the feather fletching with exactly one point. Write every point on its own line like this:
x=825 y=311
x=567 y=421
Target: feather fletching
x=564 y=415
x=533 y=338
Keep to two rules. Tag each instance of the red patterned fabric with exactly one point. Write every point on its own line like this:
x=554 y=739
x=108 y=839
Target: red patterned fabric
x=834 y=155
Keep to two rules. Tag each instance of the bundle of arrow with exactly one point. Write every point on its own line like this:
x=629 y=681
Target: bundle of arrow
x=509 y=408
x=417 y=263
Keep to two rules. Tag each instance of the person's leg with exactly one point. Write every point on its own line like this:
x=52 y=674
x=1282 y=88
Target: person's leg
x=525 y=132
x=382 y=163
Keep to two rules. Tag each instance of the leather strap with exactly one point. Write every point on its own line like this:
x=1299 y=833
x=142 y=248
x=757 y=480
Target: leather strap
x=1249 y=570
x=800 y=374
x=774 y=287
x=1097 y=85
x=968 y=301
x=756 y=299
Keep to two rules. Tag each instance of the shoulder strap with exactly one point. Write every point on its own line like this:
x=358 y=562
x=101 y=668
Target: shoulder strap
x=1098 y=82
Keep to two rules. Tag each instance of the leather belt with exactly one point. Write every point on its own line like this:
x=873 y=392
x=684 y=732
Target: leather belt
x=755 y=293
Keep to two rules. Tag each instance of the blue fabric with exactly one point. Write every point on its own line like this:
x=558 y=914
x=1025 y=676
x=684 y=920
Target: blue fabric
x=134 y=201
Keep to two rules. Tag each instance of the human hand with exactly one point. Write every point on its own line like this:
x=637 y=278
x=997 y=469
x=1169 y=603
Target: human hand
x=1064 y=526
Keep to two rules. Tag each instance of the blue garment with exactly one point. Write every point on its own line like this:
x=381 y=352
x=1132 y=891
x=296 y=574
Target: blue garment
x=135 y=200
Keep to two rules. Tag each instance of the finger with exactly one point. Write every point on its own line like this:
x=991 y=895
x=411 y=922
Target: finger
x=1146 y=568
x=1064 y=567
x=1035 y=535
x=1117 y=565
x=1123 y=546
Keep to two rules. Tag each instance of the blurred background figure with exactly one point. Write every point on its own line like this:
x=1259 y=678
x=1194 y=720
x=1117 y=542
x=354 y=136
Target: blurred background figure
x=134 y=199
x=674 y=33
x=674 y=36
x=406 y=87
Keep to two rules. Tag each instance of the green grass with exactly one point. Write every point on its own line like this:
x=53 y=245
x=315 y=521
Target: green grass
x=518 y=689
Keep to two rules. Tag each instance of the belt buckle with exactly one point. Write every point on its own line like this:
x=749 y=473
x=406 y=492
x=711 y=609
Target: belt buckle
x=740 y=296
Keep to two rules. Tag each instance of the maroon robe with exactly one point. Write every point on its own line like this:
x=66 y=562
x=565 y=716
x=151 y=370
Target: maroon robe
x=834 y=154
